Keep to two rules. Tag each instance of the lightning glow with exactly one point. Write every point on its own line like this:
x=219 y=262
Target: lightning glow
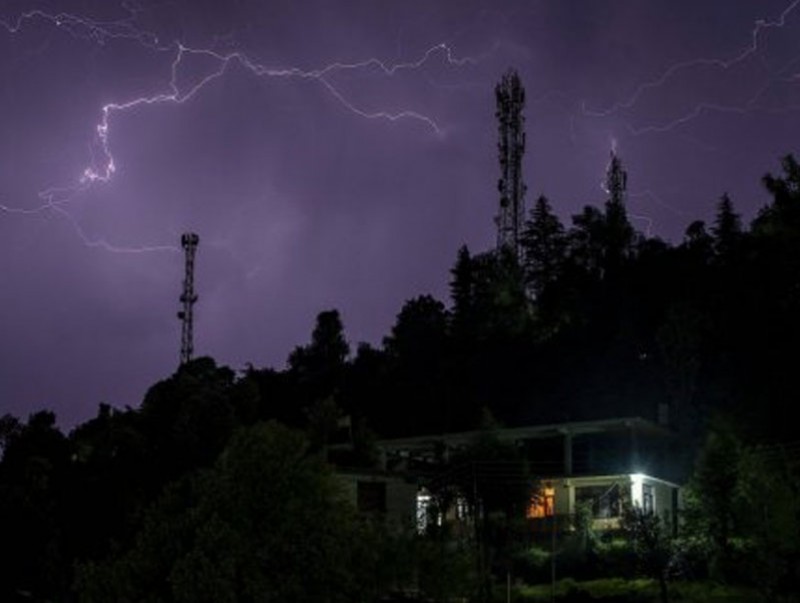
x=783 y=70
x=104 y=166
x=760 y=26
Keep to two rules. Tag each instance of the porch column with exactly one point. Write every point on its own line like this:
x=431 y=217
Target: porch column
x=567 y=452
x=635 y=460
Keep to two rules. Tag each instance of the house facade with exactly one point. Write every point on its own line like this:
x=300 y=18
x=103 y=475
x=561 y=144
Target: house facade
x=599 y=466
x=604 y=497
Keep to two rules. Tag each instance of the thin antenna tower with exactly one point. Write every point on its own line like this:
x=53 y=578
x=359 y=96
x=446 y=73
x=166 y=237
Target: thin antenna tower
x=619 y=236
x=616 y=180
x=510 y=96
x=189 y=242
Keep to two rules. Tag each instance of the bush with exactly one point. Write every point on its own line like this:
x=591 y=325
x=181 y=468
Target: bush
x=266 y=522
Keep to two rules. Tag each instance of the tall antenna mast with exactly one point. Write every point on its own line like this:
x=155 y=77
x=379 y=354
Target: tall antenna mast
x=189 y=242
x=616 y=180
x=510 y=96
x=619 y=232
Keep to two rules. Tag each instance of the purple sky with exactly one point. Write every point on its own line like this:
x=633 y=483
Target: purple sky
x=335 y=154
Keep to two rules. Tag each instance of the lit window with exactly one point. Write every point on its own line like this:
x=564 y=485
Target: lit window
x=542 y=503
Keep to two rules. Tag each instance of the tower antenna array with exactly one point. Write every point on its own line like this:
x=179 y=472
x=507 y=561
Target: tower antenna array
x=616 y=180
x=189 y=242
x=510 y=96
x=619 y=236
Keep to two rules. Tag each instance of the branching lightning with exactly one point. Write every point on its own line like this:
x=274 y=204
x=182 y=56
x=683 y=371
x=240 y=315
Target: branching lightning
x=784 y=72
x=759 y=28
x=103 y=168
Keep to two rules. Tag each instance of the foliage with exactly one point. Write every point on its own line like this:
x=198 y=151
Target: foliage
x=264 y=523
x=416 y=356
x=445 y=569
x=493 y=479
x=711 y=501
x=327 y=351
x=544 y=245
x=33 y=482
x=189 y=417
x=652 y=544
x=742 y=512
x=727 y=229
x=10 y=428
x=640 y=590
x=318 y=368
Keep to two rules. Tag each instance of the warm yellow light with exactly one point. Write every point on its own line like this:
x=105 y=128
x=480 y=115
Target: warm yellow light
x=542 y=504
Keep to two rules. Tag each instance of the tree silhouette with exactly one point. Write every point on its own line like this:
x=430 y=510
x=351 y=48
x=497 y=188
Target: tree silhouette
x=264 y=523
x=782 y=217
x=33 y=483
x=463 y=293
x=727 y=229
x=317 y=370
x=323 y=360
x=544 y=247
x=698 y=242
x=189 y=417
x=417 y=353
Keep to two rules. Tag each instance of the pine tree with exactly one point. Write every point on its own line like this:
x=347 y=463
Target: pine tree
x=320 y=366
x=727 y=229
x=586 y=241
x=544 y=246
x=462 y=290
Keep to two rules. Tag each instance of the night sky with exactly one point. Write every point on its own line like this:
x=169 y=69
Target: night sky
x=335 y=154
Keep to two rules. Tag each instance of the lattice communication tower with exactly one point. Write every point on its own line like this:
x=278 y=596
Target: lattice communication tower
x=510 y=96
x=616 y=180
x=189 y=242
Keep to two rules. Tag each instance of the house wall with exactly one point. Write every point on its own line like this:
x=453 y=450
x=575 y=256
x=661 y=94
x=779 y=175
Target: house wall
x=401 y=503
x=564 y=495
x=631 y=489
x=400 y=499
x=664 y=499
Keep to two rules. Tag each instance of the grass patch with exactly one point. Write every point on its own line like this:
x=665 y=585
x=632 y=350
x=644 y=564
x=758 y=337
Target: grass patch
x=606 y=588
x=691 y=592
x=629 y=591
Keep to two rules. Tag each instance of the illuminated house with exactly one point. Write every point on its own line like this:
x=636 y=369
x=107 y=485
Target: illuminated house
x=599 y=465
x=604 y=496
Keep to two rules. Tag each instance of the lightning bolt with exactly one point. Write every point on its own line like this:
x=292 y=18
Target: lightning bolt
x=782 y=71
x=760 y=26
x=104 y=166
x=647 y=220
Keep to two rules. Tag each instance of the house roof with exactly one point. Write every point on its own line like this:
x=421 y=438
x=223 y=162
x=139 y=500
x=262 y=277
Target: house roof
x=577 y=480
x=531 y=432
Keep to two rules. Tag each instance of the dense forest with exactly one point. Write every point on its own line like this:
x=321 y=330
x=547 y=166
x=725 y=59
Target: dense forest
x=592 y=320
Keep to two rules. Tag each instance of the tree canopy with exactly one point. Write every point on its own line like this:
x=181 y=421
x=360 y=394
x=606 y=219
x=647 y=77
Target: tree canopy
x=264 y=523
